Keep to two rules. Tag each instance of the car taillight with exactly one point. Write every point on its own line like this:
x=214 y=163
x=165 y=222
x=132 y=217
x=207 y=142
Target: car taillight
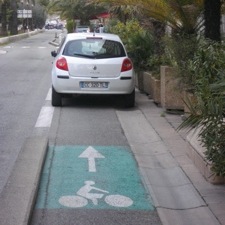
x=61 y=64
x=127 y=65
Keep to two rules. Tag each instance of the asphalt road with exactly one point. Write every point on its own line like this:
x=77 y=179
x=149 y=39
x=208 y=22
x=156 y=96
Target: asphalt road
x=82 y=125
x=90 y=174
x=24 y=75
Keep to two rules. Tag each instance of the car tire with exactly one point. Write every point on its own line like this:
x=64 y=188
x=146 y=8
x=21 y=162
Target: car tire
x=56 y=98
x=129 y=100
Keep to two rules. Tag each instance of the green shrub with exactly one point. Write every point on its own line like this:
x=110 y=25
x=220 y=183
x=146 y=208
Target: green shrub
x=208 y=78
x=141 y=48
x=70 y=25
x=139 y=43
x=179 y=51
x=154 y=63
x=126 y=31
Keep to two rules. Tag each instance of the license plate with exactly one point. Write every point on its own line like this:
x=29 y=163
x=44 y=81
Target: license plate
x=94 y=84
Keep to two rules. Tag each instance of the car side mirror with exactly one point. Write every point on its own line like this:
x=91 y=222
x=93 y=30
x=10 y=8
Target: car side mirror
x=54 y=53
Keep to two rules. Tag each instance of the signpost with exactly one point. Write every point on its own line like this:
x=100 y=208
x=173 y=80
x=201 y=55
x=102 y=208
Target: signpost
x=24 y=13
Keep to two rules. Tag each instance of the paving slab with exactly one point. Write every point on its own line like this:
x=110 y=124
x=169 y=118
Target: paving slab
x=196 y=216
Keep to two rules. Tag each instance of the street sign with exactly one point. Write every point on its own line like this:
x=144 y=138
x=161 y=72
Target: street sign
x=25 y=13
x=92 y=177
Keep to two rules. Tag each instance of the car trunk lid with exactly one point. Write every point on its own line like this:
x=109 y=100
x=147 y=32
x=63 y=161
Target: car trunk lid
x=98 y=68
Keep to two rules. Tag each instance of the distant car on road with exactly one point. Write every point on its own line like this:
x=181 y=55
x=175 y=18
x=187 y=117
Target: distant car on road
x=92 y=63
x=82 y=29
x=49 y=26
x=59 y=26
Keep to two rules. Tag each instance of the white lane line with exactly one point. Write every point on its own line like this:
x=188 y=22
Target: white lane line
x=2 y=52
x=8 y=46
x=45 y=117
x=49 y=95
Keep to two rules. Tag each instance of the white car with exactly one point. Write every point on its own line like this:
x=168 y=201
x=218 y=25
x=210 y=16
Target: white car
x=92 y=63
x=82 y=29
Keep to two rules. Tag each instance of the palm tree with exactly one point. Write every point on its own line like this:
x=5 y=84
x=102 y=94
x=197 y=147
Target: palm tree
x=124 y=12
x=72 y=9
x=182 y=15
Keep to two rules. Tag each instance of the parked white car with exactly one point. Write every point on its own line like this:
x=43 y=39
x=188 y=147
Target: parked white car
x=92 y=63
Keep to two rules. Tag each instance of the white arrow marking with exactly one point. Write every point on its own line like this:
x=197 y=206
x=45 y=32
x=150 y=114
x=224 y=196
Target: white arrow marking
x=90 y=153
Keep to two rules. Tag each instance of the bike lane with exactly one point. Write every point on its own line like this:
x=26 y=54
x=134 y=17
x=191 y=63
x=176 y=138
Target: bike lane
x=90 y=179
x=115 y=173
x=91 y=184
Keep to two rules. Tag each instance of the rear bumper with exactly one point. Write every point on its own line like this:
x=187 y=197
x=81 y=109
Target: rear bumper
x=71 y=85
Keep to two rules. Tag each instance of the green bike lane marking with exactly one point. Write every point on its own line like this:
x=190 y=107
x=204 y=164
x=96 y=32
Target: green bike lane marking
x=92 y=177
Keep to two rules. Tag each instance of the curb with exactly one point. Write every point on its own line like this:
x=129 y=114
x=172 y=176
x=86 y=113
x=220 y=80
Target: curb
x=54 y=43
x=19 y=194
x=17 y=37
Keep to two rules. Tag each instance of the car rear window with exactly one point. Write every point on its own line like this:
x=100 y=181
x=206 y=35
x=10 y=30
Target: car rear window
x=94 y=48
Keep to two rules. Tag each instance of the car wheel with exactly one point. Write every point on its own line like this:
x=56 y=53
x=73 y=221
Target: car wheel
x=56 y=98
x=129 y=100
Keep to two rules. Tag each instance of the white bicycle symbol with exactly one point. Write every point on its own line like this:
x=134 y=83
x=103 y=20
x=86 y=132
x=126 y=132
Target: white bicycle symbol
x=83 y=195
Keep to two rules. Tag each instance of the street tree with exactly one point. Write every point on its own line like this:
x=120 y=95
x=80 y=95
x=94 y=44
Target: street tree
x=4 y=7
x=75 y=9
x=181 y=15
x=13 y=21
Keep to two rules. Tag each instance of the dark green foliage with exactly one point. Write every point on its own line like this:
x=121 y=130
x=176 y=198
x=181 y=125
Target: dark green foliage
x=70 y=25
x=141 y=49
x=208 y=69
x=139 y=43
x=179 y=50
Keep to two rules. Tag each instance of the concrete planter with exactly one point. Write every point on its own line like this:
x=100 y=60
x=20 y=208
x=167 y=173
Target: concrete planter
x=190 y=100
x=139 y=80
x=152 y=86
x=196 y=153
x=147 y=83
x=171 y=96
x=156 y=90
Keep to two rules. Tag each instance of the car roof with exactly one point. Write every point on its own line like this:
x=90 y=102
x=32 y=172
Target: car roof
x=74 y=36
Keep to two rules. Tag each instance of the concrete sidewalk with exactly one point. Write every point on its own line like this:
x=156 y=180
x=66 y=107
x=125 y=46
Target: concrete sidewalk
x=181 y=194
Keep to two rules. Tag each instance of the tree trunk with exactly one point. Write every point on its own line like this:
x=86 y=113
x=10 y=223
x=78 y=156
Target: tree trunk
x=13 y=22
x=212 y=16
x=159 y=32
x=4 y=20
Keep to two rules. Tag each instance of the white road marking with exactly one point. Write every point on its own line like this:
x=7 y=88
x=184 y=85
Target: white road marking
x=91 y=154
x=25 y=47
x=41 y=47
x=49 y=95
x=45 y=117
x=2 y=52
x=8 y=46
